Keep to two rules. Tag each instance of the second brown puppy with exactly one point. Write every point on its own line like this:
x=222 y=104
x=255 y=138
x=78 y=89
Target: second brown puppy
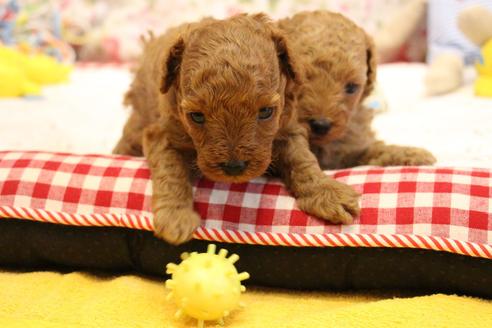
x=216 y=97
x=339 y=62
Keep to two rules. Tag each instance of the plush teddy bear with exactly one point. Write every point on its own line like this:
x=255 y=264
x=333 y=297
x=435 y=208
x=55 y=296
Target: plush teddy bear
x=448 y=48
x=398 y=28
x=476 y=23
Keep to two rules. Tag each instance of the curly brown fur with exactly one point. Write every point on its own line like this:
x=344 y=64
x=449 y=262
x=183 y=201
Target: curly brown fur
x=226 y=71
x=339 y=61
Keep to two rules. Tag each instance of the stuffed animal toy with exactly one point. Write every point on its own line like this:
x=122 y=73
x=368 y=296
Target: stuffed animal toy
x=476 y=23
x=448 y=48
x=22 y=74
x=398 y=28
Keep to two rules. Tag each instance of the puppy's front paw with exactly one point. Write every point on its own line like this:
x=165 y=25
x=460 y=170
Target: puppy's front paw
x=418 y=156
x=399 y=155
x=334 y=201
x=175 y=225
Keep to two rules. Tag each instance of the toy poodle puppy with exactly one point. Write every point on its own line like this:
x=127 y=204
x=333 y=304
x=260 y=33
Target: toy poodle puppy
x=339 y=63
x=210 y=98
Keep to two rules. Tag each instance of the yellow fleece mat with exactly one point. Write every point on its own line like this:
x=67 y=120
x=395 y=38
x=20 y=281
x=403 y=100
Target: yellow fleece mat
x=48 y=299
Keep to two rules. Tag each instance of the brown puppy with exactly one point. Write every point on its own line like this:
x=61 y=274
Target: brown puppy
x=340 y=66
x=210 y=97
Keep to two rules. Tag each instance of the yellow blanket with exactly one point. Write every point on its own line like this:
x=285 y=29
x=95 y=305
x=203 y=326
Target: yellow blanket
x=46 y=299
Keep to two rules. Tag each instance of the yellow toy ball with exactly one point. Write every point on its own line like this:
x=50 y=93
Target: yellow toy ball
x=205 y=286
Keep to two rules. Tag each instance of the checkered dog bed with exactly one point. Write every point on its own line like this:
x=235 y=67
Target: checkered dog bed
x=426 y=208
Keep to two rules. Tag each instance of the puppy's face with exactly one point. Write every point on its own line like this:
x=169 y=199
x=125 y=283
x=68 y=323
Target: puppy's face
x=230 y=95
x=233 y=126
x=336 y=82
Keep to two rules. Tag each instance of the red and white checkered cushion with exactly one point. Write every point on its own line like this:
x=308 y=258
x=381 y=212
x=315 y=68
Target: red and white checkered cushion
x=446 y=209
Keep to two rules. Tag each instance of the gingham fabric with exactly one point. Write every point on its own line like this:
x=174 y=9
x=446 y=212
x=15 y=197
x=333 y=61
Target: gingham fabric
x=445 y=209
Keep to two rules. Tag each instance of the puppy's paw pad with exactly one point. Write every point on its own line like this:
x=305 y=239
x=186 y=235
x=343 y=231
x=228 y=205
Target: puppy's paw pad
x=175 y=226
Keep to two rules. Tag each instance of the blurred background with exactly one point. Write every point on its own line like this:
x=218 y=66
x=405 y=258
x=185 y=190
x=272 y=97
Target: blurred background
x=97 y=30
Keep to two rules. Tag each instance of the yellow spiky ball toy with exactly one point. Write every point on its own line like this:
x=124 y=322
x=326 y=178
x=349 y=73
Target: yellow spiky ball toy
x=205 y=286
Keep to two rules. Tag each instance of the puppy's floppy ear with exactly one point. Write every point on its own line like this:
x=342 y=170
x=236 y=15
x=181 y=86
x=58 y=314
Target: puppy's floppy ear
x=287 y=62
x=371 y=66
x=172 y=65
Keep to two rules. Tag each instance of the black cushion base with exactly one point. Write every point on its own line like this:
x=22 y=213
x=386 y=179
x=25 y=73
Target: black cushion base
x=33 y=245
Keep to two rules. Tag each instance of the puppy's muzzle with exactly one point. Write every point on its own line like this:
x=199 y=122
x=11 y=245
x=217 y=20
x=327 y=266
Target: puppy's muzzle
x=234 y=168
x=320 y=127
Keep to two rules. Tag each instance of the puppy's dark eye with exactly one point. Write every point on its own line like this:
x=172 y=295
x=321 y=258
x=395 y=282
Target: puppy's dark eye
x=265 y=113
x=197 y=117
x=351 y=88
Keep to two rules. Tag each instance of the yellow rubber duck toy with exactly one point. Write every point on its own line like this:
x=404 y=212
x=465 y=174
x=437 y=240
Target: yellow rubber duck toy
x=483 y=85
x=23 y=74
x=476 y=23
x=14 y=83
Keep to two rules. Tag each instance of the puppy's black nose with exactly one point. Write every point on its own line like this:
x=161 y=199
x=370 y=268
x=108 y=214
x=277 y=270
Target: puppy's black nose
x=320 y=127
x=234 y=168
